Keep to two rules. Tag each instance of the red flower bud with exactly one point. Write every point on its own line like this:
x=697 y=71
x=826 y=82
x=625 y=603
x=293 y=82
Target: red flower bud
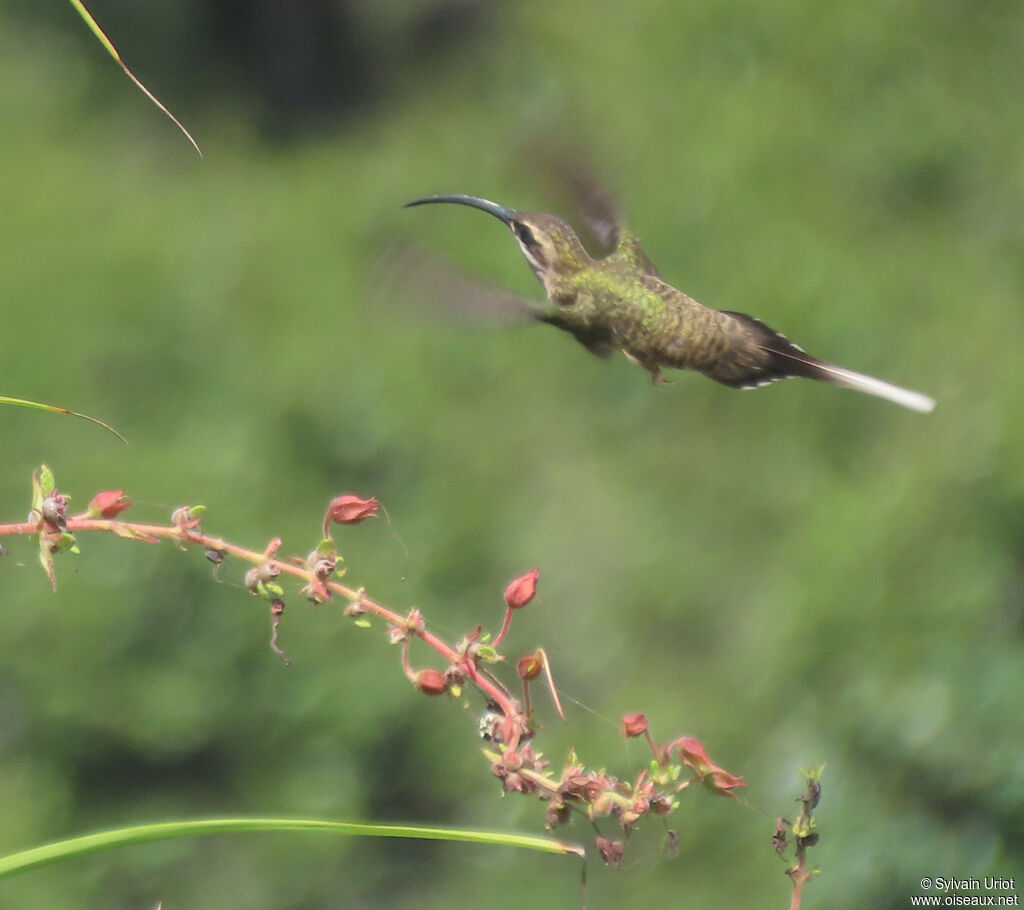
x=108 y=504
x=634 y=725
x=519 y=592
x=349 y=509
x=430 y=681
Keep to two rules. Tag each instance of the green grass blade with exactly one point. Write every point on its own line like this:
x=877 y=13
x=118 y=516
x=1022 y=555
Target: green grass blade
x=108 y=44
x=57 y=851
x=56 y=409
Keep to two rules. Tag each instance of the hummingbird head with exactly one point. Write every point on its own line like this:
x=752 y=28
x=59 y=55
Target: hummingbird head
x=550 y=246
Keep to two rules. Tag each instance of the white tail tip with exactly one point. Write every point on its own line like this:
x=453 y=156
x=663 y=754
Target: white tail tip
x=871 y=386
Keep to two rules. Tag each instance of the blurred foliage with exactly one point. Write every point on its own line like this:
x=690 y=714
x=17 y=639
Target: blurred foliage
x=793 y=575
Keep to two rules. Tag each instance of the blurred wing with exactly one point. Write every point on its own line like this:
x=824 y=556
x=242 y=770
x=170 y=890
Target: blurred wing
x=593 y=208
x=597 y=340
x=411 y=278
x=596 y=206
x=598 y=211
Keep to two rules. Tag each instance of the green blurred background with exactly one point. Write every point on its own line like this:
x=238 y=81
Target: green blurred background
x=794 y=575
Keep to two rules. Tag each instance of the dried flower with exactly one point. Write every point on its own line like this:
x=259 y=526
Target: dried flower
x=611 y=851
x=530 y=667
x=557 y=813
x=349 y=509
x=54 y=508
x=634 y=725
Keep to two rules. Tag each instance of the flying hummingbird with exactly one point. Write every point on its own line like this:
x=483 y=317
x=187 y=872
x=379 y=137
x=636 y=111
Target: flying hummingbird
x=618 y=302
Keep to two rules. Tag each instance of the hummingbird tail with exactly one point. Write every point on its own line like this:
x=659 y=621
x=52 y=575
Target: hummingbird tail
x=848 y=379
x=789 y=360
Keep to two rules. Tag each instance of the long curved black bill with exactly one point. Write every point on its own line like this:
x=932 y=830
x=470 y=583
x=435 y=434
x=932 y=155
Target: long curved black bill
x=485 y=205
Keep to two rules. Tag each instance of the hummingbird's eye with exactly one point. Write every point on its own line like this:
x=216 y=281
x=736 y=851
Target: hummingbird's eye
x=525 y=234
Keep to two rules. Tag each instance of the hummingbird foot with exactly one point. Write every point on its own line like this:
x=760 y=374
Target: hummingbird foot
x=656 y=377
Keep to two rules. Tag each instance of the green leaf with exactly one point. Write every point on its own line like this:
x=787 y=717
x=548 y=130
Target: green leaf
x=814 y=773
x=55 y=409
x=57 y=851
x=326 y=548
x=487 y=654
x=47 y=482
x=66 y=542
x=106 y=42
x=46 y=561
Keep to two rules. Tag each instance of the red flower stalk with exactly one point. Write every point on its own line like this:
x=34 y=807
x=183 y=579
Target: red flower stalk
x=428 y=680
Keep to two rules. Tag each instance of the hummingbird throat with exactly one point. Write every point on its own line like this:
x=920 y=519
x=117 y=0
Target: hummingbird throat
x=530 y=253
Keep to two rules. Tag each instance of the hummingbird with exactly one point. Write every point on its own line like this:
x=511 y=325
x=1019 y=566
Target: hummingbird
x=619 y=302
